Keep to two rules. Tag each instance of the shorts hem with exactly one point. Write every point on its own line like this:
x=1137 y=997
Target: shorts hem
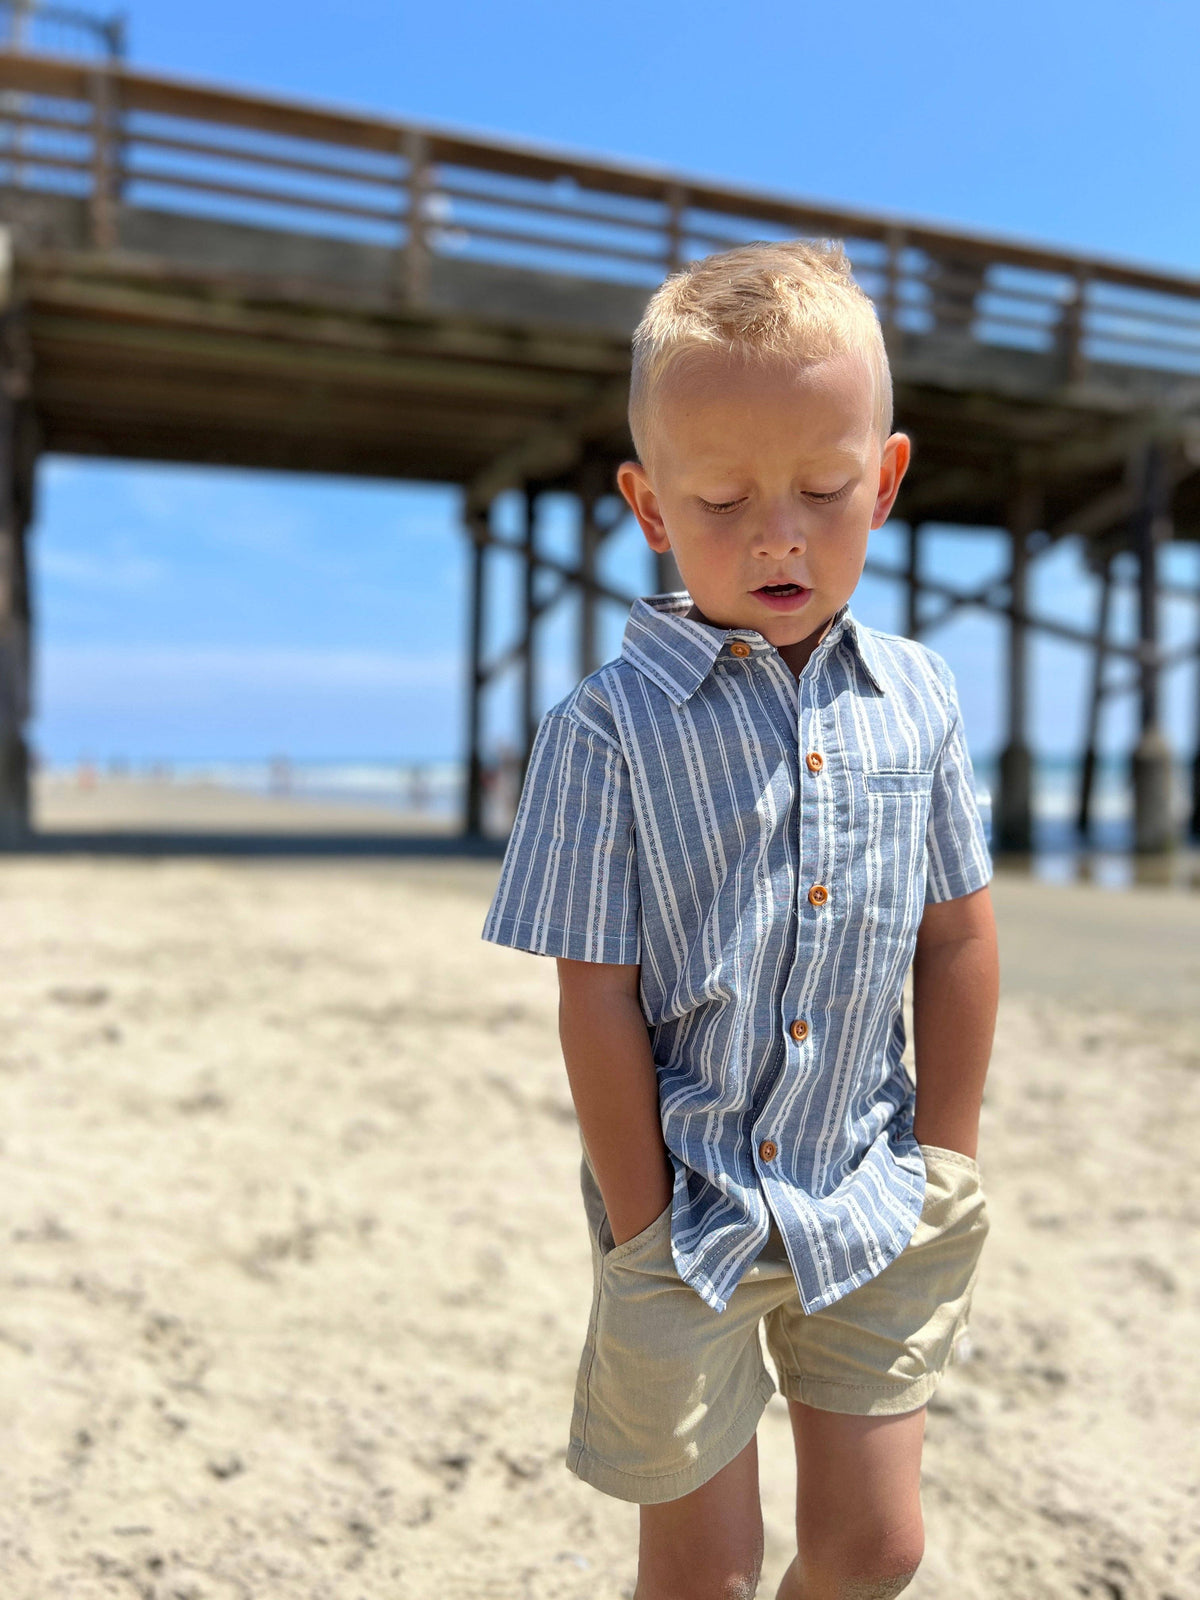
x=860 y=1399
x=653 y=1489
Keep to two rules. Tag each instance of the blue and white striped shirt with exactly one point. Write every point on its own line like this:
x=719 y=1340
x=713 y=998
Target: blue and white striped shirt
x=764 y=847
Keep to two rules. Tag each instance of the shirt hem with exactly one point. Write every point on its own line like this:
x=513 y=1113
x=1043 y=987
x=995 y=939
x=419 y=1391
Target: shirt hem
x=541 y=940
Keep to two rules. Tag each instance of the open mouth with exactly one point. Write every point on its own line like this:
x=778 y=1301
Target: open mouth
x=783 y=596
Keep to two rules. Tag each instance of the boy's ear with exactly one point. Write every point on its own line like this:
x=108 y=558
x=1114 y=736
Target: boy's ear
x=897 y=452
x=643 y=502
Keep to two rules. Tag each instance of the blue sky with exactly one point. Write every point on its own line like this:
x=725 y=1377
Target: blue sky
x=189 y=615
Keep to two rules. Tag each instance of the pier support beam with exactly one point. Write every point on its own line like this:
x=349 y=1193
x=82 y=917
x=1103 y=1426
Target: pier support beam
x=477 y=521
x=912 y=615
x=591 y=535
x=17 y=460
x=1150 y=763
x=530 y=613
x=1014 y=814
x=1087 y=770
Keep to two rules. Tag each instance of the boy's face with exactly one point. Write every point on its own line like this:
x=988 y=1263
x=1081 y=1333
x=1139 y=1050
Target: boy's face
x=761 y=474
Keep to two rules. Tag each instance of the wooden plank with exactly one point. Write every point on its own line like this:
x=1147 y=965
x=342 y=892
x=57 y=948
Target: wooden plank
x=212 y=349
x=248 y=155
x=285 y=199
x=175 y=97
x=156 y=289
x=395 y=460
x=177 y=401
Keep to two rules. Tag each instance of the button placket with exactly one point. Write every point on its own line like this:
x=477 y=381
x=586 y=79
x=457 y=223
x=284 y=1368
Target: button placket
x=819 y=797
x=816 y=806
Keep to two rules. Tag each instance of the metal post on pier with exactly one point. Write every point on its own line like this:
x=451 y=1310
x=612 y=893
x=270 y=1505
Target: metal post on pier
x=590 y=487
x=415 y=265
x=1087 y=770
x=18 y=453
x=1150 y=762
x=477 y=527
x=106 y=145
x=530 y=612
x=912 y=620
x=1014 y=825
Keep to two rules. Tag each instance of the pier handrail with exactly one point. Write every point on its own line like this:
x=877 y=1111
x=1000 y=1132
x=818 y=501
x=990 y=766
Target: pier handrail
x=114 y=136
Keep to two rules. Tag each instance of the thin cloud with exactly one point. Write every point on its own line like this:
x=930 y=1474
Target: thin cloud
x=101 y=676
x=120 y=575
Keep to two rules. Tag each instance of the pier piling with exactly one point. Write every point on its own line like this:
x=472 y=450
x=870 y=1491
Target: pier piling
x=1150 y=762
x=1014 y=822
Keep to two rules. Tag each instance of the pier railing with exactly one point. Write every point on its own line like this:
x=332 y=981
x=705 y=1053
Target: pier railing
x=113 y=137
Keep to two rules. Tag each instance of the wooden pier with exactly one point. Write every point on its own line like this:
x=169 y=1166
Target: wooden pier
x=195 y=275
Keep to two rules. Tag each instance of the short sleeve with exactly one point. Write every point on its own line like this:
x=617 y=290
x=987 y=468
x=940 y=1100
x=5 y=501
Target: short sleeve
x=568 y=884
x=958 y=858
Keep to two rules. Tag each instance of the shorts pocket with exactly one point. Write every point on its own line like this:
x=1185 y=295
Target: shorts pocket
x=629 y=1247
x=939 y=1153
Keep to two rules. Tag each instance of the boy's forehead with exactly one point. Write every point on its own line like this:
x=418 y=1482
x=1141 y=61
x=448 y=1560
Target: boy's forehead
x=714 y=410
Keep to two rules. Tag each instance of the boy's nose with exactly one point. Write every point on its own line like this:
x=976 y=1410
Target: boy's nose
x=781 y=535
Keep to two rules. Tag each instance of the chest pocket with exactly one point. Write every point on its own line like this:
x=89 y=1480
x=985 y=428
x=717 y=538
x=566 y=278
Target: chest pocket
x=898 y=782
x=891 y=818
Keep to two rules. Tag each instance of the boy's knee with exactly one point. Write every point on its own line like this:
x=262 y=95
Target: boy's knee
x=884 y=1587
x=739 y=1586
x=737 y=1581
x=861 y=1571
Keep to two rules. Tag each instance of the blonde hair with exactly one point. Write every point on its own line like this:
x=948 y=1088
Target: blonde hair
x=796 y=298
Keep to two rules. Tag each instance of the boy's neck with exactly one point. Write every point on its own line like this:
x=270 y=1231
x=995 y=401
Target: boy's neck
x=796 y=655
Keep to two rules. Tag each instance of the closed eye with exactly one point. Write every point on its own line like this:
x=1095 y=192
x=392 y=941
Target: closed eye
x=724 y=507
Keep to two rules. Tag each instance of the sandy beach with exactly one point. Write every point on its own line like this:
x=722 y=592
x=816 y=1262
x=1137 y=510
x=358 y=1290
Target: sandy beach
x=296 y=1272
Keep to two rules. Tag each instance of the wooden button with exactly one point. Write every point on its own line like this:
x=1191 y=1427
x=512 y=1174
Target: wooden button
x=818 y=894
x=768 y=1149
x=739 y=647
x=799 y=1029
x=814 y=761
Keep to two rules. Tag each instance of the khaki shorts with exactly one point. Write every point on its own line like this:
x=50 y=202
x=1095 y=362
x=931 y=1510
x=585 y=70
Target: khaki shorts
x=669 y=1391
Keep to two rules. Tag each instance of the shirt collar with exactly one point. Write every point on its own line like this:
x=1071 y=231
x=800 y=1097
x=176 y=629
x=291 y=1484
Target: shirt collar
x=677 y=653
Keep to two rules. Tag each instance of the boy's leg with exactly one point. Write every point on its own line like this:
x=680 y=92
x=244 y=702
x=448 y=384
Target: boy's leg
x=870 y=1362
x=859 y=1532
x=707 y=1545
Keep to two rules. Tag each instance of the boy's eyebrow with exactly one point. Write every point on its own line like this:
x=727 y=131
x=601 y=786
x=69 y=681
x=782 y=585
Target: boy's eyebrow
x=720 y=463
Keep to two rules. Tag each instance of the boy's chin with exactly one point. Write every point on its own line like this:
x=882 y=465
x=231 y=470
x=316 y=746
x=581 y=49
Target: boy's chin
x=812 y=624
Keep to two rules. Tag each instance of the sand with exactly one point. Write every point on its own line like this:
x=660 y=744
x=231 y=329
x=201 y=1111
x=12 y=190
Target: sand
x=296 y=1273
x=116 y=805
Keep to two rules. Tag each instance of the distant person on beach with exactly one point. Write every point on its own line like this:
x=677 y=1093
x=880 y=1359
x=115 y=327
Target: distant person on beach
x=736 y=838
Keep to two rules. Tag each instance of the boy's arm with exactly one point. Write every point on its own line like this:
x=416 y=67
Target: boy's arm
x=610 y=1067
x=956 y=982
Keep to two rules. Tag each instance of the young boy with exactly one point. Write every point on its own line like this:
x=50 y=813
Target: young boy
x=736 y=838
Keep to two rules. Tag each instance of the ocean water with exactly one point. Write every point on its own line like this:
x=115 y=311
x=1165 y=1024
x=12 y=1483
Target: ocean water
x=1056 y=801
x=432 y=788
x=435 y=788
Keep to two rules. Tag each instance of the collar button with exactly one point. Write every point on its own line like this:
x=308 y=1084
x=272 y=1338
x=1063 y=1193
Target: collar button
x=739 y=647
